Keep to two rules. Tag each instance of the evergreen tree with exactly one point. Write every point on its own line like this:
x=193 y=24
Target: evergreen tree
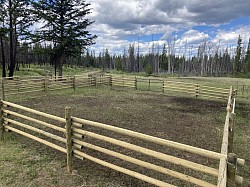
x=107 y=59
x=65 y=26
x=15 y=18
x=164 y=58
x=237 y=60
x=226 y=62
x=247 y=58
x=118 y=63
x=131 y=53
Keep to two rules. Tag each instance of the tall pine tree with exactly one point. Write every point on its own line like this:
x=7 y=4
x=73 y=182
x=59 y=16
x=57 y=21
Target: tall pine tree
x=65 y=26
x=237 y=60
x=247 y=59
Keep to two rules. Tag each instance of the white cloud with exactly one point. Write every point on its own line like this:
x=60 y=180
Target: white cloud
x=193 y=37
x=230 y=37
x=117 y=20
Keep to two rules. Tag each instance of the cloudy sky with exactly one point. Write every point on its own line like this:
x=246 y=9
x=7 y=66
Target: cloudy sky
x=119 y=23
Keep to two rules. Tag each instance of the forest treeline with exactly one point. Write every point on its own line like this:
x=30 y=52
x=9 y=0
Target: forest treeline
x=159 y=60
x=63 y=39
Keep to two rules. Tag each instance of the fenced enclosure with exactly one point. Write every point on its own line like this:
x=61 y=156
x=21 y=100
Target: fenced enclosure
x=18 y=86
x=21 y=120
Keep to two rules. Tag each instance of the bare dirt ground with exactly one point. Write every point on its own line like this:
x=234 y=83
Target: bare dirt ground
x=191 y=121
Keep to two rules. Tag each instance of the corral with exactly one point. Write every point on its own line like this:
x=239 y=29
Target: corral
x=186 y=120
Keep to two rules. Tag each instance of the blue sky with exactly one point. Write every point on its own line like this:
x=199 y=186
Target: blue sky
x=184 y=22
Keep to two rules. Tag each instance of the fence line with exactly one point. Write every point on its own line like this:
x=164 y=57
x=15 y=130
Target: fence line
x=72 y=140
x=165 y=86
x=15 y=86
x=227 y=167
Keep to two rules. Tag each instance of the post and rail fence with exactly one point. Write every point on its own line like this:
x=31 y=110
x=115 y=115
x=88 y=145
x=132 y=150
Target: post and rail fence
x=67 y=135
x=37 y=86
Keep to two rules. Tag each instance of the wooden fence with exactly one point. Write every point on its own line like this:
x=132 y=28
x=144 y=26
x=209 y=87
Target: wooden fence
x=18 y=86
x=70 y=135
x=168 y=86
x=228 y=166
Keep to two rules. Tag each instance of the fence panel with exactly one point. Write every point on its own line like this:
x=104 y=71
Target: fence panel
x=123 y=82
x=149 y=84
x=32 y=123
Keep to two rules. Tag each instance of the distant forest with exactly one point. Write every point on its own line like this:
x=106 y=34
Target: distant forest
x=159 y=60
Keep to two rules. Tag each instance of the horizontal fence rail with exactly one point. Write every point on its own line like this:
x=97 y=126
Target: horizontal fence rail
x=71 y=135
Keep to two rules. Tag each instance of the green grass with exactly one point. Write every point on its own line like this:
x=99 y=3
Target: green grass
x=46 y=70
x=23 y=166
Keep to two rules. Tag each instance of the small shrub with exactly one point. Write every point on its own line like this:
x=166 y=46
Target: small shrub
x=149 y=69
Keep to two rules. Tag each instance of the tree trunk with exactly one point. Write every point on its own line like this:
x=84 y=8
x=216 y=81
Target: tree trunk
x=3 y=58
x=15 y=49
x=55 y=66
x=60 y=65
x=12 y=62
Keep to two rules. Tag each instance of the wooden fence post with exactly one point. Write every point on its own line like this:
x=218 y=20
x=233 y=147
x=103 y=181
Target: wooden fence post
x=135 y=83
x=163 y=84
x=17 y=83
x=197 y=90
x=234 y=93
x=74 y=83
x=149 y=84
x=95 y=80
x=69 y=139
x=1 y=120
x=3 y=91
x=46 y=85
x=231 y=170
x=111 y=81
x=231 y=133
